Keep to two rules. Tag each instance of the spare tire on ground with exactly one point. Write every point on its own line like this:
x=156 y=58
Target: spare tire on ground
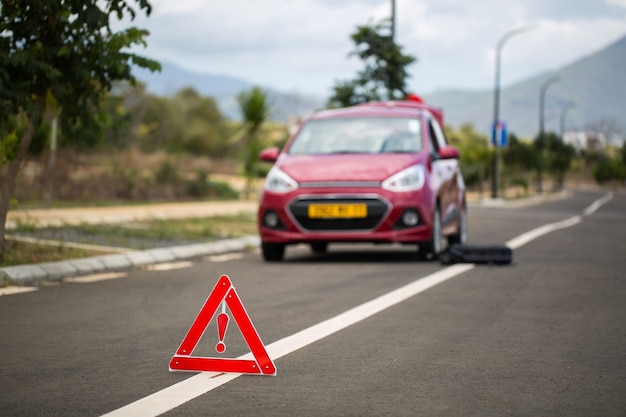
x=479 y=254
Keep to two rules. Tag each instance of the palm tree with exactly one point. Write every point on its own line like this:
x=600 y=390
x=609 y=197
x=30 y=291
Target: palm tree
x=255 y=108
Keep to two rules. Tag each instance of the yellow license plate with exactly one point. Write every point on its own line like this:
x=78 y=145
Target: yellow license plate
x=337 y=211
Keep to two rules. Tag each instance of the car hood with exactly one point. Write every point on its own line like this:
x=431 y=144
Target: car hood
x=366 y=167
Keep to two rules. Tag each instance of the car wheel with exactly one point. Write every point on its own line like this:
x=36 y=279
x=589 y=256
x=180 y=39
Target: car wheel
x=319 y=247
x=461 y=235
x=432 y=248
x=273 y=252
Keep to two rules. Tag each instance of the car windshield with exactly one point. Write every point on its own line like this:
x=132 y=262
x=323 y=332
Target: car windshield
x=358 y=135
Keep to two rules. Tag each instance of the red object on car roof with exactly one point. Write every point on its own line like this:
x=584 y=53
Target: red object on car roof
x=412 y=101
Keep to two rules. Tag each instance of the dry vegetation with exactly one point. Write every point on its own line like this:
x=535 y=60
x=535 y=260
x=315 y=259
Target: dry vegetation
x=127 y=175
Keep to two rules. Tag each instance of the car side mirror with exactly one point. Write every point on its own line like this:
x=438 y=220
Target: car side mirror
x=269 y=154
x=449 y=152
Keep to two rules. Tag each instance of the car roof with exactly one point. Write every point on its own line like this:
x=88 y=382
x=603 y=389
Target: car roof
x=400 y=108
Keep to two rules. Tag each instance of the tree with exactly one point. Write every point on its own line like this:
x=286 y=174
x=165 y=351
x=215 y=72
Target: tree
x=611 y=168
x=520 y=159
x=65 y=48
x=519 y=155
x=554 y=155
x=255 y=108
x=384 y=75
x=203 y=127
x=475 y=154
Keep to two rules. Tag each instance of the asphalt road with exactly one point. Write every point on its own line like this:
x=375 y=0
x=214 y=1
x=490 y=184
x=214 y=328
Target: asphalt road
x=545 y=336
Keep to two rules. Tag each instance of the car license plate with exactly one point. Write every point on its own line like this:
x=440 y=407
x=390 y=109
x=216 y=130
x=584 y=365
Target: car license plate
x=337 y=211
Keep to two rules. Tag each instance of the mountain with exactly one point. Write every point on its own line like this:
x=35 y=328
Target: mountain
x=595 y=84
x=172 y=78
x=224 y=89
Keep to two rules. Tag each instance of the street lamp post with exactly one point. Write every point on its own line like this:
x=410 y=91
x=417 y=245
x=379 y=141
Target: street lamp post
x=393 y=20
x=496 y=103
x=564 y=111
x=542 y=99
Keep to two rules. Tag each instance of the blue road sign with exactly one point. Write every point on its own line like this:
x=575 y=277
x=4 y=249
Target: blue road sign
x=499 y=134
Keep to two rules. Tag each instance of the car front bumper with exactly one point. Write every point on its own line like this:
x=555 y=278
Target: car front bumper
x=384 y=222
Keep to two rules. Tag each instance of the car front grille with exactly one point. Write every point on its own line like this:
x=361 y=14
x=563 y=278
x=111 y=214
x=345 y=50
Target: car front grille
x=376 y=211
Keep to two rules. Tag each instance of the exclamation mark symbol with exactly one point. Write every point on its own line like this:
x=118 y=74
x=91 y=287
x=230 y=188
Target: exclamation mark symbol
x=222 y=325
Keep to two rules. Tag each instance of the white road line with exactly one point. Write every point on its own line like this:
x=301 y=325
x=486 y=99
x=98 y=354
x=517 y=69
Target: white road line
x=184 y=391
x=551 y=227
x=524 y=238
x=597 y=204
x=167 y=399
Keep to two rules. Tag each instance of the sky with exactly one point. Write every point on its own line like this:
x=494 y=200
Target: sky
x=302 y=46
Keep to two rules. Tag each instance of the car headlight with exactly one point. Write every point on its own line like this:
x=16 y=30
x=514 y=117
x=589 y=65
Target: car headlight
x=279 y=182
x=409 y=179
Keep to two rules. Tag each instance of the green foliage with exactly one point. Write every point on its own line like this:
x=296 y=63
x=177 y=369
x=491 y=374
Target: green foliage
x=187 y=122
x=199 y=186
x=40 y=139
x=8 y=146
x=555 y=156
x=20 y=253
x=384 y=74
x=127 y=181
x=203 y=121
x=160 y=124
x=521 y=182
x=148 y=234
x=14 y=203
x=66 y=48
x=116 y=121
x=347 y=93
x=519 y=155
x=255 y=108
x=475 y=153
x=610 y=170
x=223 y=190
x=166 y=174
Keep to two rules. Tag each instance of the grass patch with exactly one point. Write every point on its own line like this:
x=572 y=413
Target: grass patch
x=196 y=229
x=135 y=236
x=19 y=253
x=155 y=233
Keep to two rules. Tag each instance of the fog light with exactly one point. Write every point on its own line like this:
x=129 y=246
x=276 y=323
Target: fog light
x=410 y=218
x=271 y=219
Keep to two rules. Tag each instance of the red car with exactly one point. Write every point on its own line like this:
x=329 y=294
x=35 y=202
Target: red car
x=380 y=172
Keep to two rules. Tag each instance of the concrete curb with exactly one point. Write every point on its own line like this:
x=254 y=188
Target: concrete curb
x=34 y=274
x=522 y=202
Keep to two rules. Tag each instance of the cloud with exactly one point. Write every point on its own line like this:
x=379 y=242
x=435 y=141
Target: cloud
x=618 y=3
x=302 y=45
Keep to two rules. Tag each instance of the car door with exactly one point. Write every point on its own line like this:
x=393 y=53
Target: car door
x=445 y=172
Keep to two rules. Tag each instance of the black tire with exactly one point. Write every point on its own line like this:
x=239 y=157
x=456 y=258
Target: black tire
x=461 y=236
x=434 y=247
x=273 y=252
x=319 y=247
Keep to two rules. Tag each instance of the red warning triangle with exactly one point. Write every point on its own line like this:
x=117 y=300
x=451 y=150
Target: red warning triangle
x=224 y=292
